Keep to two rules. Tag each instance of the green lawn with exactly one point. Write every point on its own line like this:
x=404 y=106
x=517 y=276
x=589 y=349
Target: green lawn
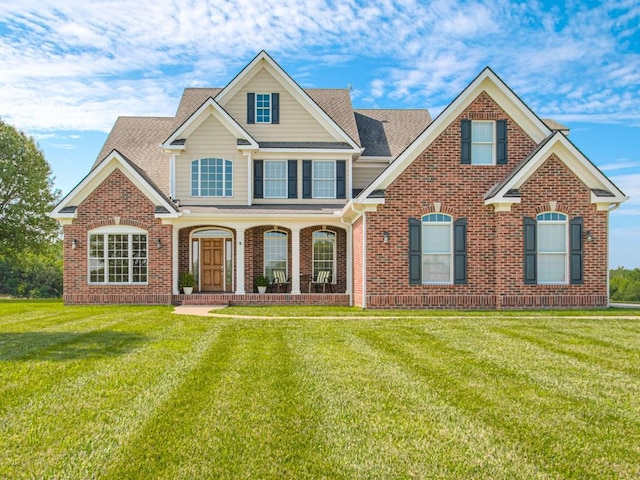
x=137 y=392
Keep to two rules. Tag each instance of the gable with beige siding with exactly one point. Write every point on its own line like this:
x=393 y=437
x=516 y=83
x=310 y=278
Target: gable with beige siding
x=296 y=123
x=211 y=140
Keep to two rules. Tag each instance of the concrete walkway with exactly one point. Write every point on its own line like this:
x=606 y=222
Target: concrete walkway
x=197 y=310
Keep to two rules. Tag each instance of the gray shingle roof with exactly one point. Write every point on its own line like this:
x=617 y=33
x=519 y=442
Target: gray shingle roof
x=386 y=133
x=336 y=102
x=138 y=139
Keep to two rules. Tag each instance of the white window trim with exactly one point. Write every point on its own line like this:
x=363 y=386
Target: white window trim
x=255 y=113
x=451 y=246
x=285 y=179
x=224 y=178
x=493 y=143
x=334 y=271
x=313 y=179
x=116 y=230
x=567 y=266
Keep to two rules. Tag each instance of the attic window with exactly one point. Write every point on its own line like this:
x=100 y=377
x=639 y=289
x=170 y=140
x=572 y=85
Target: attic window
x=263 y=108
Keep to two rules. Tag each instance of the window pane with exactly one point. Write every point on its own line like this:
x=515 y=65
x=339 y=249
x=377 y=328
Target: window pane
x=482 y=143
x=275 y=252
x=211 y=177
x=324 y=184
x=275 y=179
x=482 y=154
x=552 y=268
x=96 y=258
x=482 y=132
x=263 y=108
x=552 y=238
x=436 y=268
x=323 y=253
x=436 y=238
x=436 y=248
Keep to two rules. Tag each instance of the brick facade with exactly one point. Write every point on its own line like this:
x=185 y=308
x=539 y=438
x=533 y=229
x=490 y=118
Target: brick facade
x=494 y=240
x=117 y=201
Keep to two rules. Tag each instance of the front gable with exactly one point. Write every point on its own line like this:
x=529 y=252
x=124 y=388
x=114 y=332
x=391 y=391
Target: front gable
x=604 y=193
x=300 y=118
x=67 y=210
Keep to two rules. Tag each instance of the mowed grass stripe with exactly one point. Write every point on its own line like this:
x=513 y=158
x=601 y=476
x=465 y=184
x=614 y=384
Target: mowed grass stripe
x=381 y=420
x=573 y=433
x=73 y=428
x=240 y=414
x=47 y=355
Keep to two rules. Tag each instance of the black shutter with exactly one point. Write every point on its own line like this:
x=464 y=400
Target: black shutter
x=306 y=178
x=415 y=251
x=575 y=240
x=501 y=142
x=251 y=107
x=530 y=276
x=275 y=108
x=460 y=251
x=258 y=182
x=292 y=178
x=465 y=146
x=341 y=167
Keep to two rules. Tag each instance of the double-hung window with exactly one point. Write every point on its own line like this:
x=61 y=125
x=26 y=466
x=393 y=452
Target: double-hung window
x=482 y=142
x=437 y=248
x=552 y=234
x=263 y=108
x=324 y=253
x=324 y=179
x=275 y=179
x=118 y=256
x=275 y=252
x=211 y=177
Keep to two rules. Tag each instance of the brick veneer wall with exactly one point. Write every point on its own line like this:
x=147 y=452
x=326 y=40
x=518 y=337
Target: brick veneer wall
x=494 y=240
x=117 y=199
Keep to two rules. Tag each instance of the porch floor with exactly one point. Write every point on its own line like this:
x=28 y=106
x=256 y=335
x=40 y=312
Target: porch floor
x=338 y=299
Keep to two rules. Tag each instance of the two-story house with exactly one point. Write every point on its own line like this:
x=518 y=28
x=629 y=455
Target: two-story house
x=487 y=206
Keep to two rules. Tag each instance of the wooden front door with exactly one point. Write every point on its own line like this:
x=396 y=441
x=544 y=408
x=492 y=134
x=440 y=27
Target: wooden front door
x=212 y=268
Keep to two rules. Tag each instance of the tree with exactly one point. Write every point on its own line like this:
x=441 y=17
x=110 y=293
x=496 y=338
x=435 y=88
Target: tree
x=26 y=195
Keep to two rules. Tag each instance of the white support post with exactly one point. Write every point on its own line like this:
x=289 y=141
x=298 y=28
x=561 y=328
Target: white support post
x=175 y=234
x=240 y=261
x=295 y=261
x=349 y=260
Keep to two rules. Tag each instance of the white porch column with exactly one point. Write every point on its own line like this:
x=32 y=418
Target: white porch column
x=175 y=233
x=295 y=261
x=240 y=261
x=349 y=260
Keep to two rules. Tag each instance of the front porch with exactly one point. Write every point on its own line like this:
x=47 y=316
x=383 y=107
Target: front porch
x=227 y=258
x=231 y=299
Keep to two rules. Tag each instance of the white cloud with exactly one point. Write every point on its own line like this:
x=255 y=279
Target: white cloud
x=77 y=65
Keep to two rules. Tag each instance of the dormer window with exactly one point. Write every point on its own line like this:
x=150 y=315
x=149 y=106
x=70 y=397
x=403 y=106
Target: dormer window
x=263 y=108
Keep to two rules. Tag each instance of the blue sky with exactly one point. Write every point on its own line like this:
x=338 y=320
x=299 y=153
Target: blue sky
x=70 y=68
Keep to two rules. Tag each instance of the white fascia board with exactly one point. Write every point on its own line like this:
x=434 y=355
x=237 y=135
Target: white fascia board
x=209 y=107
x=502 y=95
x=352 y=210
x=98 y=175
x=264 y=60
x=586 y=171
x=302 y=152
